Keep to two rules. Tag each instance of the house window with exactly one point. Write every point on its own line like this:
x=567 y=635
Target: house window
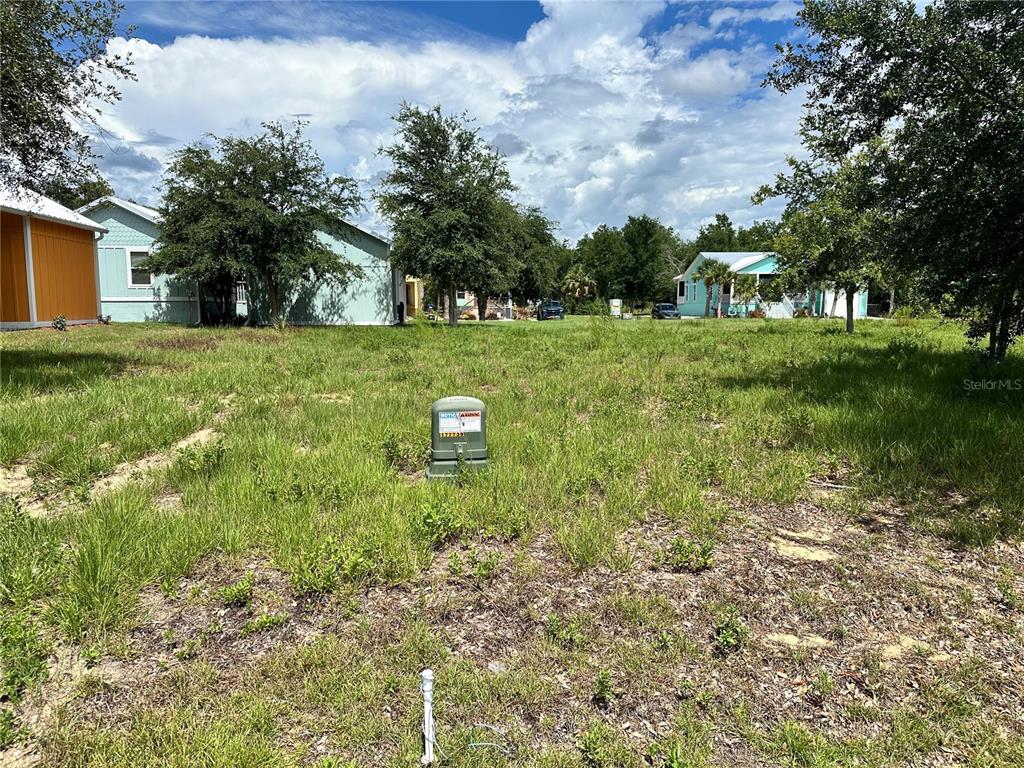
x=138 y=278
x=240 y=297
x=460 y=295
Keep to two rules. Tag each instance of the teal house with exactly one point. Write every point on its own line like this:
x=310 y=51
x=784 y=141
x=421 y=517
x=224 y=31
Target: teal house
x=129 y=293
x=691 y=293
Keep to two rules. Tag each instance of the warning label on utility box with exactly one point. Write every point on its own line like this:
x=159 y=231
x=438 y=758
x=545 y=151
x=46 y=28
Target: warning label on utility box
x=470 y=421
x=450 y=423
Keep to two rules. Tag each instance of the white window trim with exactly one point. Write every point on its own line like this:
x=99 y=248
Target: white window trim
x=128 y=258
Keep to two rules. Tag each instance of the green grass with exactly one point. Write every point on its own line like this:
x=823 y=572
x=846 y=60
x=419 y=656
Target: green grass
x=596 y=428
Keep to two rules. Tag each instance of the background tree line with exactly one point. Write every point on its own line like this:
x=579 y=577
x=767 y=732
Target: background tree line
x=911 y=179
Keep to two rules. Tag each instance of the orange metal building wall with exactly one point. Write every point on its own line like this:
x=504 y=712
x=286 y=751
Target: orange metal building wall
x=13 y=276
x=64 y=269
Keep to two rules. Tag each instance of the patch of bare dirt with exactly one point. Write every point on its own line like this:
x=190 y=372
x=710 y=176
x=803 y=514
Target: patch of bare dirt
x=34 y=496
x=796 y=641
x=169 y=502
x=15 y=480
x=20 y=756
x=183 y=342
x=801 y=552
x=133 y=470
x=194 y=623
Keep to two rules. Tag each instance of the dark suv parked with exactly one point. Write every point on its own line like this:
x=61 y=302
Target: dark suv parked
x=550 y=310
x=664 y=312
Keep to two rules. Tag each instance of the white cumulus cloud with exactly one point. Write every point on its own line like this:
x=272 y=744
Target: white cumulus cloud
x=599 y=119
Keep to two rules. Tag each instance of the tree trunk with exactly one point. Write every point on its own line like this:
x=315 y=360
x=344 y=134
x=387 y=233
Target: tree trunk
x=200 y=308
x=275 y=300
x=707 y=306
x=481 y=305
x=993 y=333
x=835 y=300
x=453 y=309
x=850 y=291
x=718 y=304
x=1003 y=341
x=892 y=301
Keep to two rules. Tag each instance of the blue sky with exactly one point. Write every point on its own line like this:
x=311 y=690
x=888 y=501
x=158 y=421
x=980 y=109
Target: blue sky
x=604 y=109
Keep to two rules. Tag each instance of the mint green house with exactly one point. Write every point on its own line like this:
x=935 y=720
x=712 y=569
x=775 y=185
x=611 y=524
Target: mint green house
x=131 y=294
x=691 y=293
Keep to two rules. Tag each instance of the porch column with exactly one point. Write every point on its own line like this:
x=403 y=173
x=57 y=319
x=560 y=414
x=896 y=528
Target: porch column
x=30 y=277
x=96 y=260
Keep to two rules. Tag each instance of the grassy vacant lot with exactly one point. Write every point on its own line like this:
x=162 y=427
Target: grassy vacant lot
x=731 y=543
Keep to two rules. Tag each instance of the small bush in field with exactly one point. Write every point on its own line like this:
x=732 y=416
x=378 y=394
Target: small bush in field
x=684 y=555
x=264 y=622
x=484 y=566
x=59 y=323
x=201 y=459
x=567 y=634
x=437 y=523
x=8 y=729
x=730 y=632
x=23 y=654
x=332 y=563
x=603 y=691
x=404 y=454
x=239 y=594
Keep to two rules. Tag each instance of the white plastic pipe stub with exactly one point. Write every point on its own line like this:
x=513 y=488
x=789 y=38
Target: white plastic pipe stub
x=427 y=688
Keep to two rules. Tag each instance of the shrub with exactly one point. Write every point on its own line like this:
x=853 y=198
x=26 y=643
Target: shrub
x=437 y=523
x=903 y=348
x=8 y=730
x=603 y=691
x=730 y=632
x=23 y=654
x=567 y=634
x=201 y=459
x=59 y=323
x=331 y=563
x=239 y=594
x=264 y=622
x=404 y=454
x=685 y=555
x=483 y=568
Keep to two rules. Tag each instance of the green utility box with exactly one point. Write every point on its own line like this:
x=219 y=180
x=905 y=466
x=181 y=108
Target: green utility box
x=458 y=436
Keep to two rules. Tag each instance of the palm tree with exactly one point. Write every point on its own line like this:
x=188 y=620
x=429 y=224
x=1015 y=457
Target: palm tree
x=711 y=273
x=578 y=285
x=745 y=289
x=724 y=277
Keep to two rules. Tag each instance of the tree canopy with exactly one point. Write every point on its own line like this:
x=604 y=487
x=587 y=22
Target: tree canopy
x=446 y=197
x=252 y=207
x=74 y=193
x=942 y=92
x=56 y=71
x=833 y=228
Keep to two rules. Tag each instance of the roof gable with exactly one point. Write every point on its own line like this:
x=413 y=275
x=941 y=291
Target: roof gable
x=142 y=211
x=25 y=201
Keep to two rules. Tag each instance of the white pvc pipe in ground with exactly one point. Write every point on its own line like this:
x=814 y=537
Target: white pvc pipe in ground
x=427 y=687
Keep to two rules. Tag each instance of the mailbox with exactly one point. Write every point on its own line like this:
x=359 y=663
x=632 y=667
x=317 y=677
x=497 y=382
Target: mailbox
x=458 y=436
